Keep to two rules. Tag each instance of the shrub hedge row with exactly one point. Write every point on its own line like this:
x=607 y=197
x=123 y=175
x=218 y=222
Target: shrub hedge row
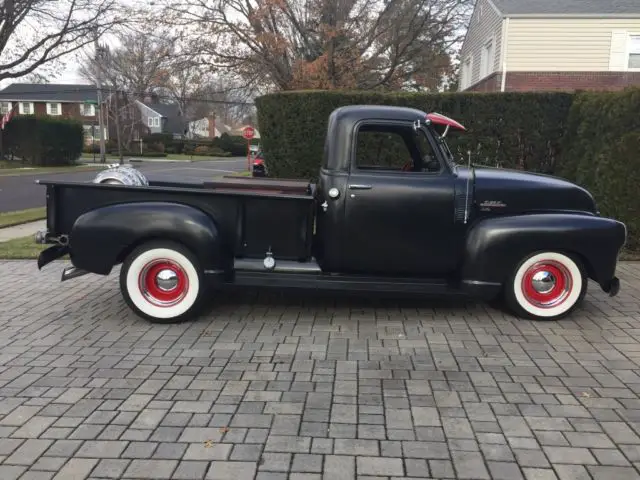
x=590 y=138
x=507 y=130
x=602 y=153
x=43 y=141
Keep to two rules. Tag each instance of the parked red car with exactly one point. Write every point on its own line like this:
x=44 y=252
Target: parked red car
x=259 y=166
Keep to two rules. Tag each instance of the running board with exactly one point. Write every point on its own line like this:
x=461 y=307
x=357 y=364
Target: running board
x=279 y=266
x=343 y=282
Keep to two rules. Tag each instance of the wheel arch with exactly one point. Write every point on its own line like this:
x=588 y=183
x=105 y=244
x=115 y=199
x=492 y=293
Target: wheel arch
x=495 y=246
x=102 y=238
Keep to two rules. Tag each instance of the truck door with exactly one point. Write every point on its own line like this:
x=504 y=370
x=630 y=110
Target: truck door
x=399 y=205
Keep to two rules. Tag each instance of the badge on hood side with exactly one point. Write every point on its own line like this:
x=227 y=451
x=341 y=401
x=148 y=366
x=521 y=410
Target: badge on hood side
x=487 y=205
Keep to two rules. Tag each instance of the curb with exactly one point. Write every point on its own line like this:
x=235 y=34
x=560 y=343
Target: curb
x=16 y=224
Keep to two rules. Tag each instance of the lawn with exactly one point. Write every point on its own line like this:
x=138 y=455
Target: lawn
x=21 y=248
x=8 y=169
x=8 y=219
x=172 y=156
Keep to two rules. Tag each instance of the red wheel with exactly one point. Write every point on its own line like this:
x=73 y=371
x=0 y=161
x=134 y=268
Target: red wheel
x=162 y=282
x=546 y=285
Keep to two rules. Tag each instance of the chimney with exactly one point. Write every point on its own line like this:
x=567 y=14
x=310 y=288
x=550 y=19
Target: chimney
x=212 y=125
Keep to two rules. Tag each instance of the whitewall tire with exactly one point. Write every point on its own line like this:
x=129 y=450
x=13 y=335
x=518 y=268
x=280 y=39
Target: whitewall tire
x=546 y=286
x=162 y=282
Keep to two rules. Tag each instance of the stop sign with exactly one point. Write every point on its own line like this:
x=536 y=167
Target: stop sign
x=248 y=132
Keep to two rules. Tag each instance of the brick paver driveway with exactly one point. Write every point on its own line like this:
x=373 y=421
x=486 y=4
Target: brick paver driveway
x=302 y=387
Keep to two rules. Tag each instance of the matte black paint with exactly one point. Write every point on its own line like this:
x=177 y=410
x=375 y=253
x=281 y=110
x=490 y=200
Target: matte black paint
x=495 y=245
x=245 y=222
x=457 y=231
x=114 y=229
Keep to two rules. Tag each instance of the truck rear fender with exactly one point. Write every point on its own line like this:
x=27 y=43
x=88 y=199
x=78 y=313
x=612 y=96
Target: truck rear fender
x=102 y=238
x=494 y=246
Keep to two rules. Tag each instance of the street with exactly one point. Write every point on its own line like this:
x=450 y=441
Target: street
x=287 y=386
x=20 y=191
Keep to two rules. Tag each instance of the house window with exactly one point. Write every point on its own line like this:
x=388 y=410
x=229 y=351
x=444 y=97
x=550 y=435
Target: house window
x=87 y=110
x=54 y=109
x=634 y=52
x=465 y=74
x=154 y=121
x=5 y=107
x=26 y=108
x=486 y=61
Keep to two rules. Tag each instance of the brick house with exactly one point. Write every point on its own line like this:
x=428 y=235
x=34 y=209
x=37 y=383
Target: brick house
x=64 y=100
x=543 y=45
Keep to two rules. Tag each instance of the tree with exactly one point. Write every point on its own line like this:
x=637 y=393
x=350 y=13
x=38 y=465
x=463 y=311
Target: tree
x=36 y=34
x=141 y=64
x=297 y=44
x=119 y=107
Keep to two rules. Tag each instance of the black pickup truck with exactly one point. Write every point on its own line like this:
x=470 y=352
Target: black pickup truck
x=391 y=211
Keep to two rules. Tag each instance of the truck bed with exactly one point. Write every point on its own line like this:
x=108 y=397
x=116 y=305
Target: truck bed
x=253 y=215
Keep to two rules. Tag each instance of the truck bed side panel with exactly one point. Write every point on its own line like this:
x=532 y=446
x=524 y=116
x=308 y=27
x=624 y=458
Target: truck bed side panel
x=249 y=224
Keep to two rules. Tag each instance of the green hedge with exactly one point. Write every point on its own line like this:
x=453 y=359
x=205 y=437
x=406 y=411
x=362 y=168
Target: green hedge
x=511 y=130
x=43 y=140
x=225 y=145
x=602 y=153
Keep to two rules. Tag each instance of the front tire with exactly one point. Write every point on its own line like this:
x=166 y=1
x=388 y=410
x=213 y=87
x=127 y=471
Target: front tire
x=162 y=282
x=546 y=286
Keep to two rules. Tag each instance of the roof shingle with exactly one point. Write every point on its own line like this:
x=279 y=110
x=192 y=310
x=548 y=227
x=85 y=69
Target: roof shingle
x=568 y=7
x=36 y=92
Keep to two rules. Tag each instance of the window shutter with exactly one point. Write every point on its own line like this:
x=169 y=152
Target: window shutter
x=618 y=53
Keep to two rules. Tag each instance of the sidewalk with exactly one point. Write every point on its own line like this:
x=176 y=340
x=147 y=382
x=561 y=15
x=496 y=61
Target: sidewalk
x=19 y=231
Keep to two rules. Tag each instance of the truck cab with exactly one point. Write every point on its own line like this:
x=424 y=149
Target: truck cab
x=391 y=200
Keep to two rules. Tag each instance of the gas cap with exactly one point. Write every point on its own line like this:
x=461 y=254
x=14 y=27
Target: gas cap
x=334 y=192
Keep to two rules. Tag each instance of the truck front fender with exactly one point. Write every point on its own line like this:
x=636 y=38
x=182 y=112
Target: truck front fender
x=102 y=237
x=495 y=246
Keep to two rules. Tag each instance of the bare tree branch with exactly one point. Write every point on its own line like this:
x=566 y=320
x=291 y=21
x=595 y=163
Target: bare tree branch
x=369 y=44
x=37 y=33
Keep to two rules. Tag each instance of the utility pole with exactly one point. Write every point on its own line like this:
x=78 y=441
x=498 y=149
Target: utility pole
x=99 y=57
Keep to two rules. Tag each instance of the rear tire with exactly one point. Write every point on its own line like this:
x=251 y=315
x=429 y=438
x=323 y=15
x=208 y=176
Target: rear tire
x=546 y=286
x=162 y=282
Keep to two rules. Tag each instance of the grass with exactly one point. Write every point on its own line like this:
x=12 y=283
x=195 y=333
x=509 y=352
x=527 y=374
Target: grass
x=171 y=156
x=8 y=219
x=21 y=248
x=8 y=169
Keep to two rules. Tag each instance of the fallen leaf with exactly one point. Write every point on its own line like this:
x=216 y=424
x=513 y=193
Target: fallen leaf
x=208 y=444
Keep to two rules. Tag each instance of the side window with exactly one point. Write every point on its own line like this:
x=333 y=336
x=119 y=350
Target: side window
x=394 y=148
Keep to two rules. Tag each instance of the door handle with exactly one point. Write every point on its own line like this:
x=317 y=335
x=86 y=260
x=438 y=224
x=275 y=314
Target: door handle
x=355 y=186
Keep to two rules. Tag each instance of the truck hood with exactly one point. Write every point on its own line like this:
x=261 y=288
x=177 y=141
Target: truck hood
x=504 y=191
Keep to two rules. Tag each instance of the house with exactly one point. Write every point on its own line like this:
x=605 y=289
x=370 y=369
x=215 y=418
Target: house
x=207 y=127
x=163 y=118
x=63 y=100
x=542 y=45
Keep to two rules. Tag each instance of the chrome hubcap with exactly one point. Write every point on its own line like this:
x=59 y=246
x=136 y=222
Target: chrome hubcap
x=543 y=281
x=166 y=280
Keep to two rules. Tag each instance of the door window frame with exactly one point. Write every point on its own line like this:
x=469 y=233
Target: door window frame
x=424 y=130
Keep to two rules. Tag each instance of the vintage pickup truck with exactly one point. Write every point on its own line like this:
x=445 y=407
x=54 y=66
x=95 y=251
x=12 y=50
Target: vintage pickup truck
x=391 y=211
